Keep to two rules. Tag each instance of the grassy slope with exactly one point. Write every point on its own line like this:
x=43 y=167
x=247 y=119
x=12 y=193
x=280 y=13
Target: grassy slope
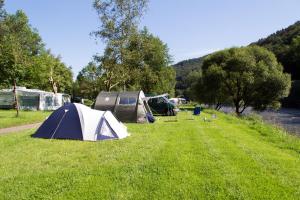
x=227 y=158
x=8 y=117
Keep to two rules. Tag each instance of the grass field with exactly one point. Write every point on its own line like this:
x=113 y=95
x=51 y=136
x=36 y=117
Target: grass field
x=226 y=158
x=8 y=117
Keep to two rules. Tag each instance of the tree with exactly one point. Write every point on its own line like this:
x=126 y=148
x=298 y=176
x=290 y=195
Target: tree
x=18 y=43
x=24 y=59
x=2 y=11
x=132 y=59
x=119 y=19
x=247 y=76
x=148 y=60
x=294 y=55
x=114 y=73
x=89 y=81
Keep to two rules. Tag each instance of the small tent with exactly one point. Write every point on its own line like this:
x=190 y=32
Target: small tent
x=126 y=106
x=79 y=122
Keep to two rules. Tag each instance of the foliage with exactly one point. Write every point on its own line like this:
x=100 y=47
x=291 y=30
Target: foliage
x=18 y=43
x=283 y=44
x=24 y=58
x=293 y=100
x=89 y=81
x=183 y=69
x=119 y=20
x=148 y=60
x=132 y=59
x=207 y=89
x=247 y=76
x=227 y=158
x=45 y=67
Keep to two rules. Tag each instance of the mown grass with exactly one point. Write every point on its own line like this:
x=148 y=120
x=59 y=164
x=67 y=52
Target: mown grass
x=222 y=158
x=8 y=117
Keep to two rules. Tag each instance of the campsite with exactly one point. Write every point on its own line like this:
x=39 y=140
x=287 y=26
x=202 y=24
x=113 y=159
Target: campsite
x=148 y=99
x=227 y=158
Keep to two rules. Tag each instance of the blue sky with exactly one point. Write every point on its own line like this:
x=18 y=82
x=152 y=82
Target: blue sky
x=191 y=28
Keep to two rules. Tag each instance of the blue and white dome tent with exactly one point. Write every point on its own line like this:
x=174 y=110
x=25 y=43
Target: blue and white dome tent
x=79 y=122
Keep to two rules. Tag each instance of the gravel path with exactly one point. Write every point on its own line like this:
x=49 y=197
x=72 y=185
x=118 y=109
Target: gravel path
x=18 y=128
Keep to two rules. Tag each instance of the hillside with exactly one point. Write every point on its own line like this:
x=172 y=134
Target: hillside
x=280 y=44
x=183 y=69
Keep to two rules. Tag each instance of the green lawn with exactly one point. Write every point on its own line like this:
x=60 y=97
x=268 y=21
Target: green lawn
x=8 y=117
x=227 y=158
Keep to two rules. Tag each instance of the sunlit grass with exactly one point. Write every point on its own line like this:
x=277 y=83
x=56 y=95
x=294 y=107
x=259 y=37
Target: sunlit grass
x=8 y=117
x=183 y=157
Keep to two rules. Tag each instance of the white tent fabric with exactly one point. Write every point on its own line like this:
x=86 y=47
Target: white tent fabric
x=97 y=125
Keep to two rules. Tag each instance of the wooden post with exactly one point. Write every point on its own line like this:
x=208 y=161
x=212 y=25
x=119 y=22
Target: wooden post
x=16 y=103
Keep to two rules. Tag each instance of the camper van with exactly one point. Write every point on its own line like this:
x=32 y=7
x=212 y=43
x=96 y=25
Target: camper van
x=161 y=105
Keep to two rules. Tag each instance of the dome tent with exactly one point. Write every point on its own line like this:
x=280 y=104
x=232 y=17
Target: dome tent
x=79 y=122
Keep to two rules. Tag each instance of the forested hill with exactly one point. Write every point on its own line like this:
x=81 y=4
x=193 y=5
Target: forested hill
x=183 y=69
x=285 y=44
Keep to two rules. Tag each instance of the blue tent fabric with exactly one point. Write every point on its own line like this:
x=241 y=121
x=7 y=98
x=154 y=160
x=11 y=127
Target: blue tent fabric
x=64 y=123
x=150 y=117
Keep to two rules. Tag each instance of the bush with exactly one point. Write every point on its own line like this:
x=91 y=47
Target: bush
x=88 y=102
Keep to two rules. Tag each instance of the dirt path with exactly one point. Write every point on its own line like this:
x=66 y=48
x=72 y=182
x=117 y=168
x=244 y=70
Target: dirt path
x=18 y=128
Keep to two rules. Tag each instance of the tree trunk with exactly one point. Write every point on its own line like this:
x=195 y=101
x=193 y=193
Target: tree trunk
x=237 y=108
x=16 y=103
x=218 y=106
x=53 y=85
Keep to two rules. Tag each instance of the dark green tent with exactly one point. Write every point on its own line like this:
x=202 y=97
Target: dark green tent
x=126 y=106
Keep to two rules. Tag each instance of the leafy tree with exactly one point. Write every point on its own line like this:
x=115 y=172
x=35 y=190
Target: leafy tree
x=114 y=73
x=49 y=73
x=18 y=43
x=294 y=55
x=2 y=11
x=23 y=57
x=247 y=76
x=89 y=81
x=148 y=60
x=119 y=20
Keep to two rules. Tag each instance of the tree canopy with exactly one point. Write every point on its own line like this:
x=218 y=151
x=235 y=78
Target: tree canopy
x=24 y=59
x=88 y=82
x=132 y=59
x=147 y=61
x=247 y=76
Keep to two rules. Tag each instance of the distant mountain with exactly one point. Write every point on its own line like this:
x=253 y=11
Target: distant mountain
x=279 y=43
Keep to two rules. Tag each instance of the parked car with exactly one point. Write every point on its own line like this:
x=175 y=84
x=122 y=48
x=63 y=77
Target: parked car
x=178 y=101
x=162 y=106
